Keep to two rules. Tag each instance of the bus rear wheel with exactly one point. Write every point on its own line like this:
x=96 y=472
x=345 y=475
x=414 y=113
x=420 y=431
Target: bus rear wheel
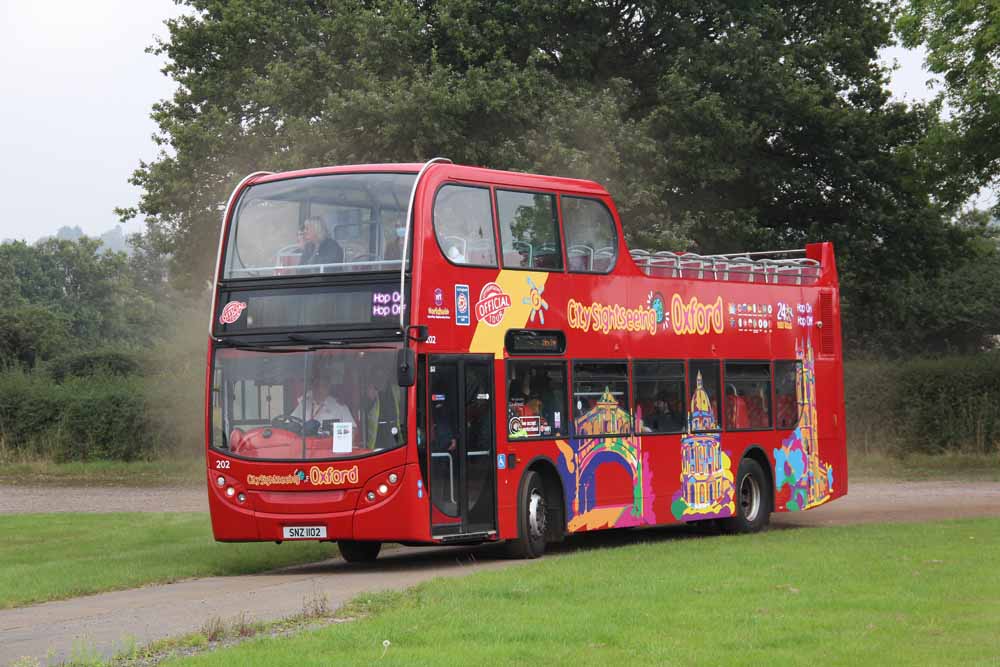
x=753 y=500
x=531 y=519
x=359 y=552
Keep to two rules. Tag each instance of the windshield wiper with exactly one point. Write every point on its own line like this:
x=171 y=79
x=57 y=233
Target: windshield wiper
x=313 y=340
x=237 y=343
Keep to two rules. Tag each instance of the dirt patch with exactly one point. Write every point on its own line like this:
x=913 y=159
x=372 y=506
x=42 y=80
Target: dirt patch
x=893 y=502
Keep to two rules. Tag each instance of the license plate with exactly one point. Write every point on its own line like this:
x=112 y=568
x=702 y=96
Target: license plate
x=304 y=532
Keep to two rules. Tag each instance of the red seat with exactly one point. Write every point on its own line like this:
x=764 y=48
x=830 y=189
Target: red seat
x=786 y=411
x=737 y=413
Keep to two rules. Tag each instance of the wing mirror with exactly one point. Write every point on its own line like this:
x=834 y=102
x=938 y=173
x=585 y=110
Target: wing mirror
x=406 y=364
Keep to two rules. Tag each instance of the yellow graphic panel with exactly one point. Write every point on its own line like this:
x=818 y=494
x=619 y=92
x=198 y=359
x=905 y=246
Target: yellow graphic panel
x=520 y=286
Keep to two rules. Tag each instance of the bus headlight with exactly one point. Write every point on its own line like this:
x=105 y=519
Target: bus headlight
x=220 y=480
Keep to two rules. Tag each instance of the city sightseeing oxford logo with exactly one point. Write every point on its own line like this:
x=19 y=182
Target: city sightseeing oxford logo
x=493 y=304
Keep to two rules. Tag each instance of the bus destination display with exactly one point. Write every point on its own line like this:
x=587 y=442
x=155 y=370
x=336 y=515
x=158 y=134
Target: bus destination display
x=530 y=341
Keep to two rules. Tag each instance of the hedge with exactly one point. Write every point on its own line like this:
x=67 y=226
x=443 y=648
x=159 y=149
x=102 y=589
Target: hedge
x=924 y=405
x=929 y=406
x=101 y=417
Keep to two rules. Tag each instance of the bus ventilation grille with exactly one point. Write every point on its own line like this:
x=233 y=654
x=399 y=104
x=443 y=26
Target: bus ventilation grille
x=826 y=317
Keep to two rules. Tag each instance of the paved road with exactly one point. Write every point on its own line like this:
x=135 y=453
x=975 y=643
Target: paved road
x=109 y=621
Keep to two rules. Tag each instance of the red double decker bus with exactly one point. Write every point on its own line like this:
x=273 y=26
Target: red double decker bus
x=436 y=354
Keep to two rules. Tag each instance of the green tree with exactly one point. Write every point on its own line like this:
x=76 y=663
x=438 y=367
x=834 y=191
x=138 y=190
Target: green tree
x=962 y=38
x=716 y=126
x=31 y=333
x=67 y=296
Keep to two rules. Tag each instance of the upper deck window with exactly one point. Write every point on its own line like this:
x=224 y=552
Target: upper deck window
x=463 y=225
x=591 y=241
x=529 y=230
x=319 y=224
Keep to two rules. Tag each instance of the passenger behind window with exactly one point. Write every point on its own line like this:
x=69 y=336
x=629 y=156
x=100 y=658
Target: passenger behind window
x=659 y=417
x=394 y=246
x=317 y=246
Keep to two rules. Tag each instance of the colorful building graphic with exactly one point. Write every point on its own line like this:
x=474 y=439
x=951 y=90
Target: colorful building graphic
x=802 y=480
x=582 y=455
x=706 y=475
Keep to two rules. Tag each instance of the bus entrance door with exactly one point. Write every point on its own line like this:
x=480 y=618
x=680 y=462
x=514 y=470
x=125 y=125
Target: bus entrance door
x=462 y=480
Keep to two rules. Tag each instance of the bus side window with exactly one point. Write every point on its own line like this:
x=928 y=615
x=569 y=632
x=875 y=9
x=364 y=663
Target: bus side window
x=591 y=239
x=529 y=230
x=658 y=391
x=600 y=398
x=463 y=225
x=703 y=401
x=748 y=395
x=786 y=406
x=536 y=399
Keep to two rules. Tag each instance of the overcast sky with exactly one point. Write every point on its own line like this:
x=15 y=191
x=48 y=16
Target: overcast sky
x=76 y=88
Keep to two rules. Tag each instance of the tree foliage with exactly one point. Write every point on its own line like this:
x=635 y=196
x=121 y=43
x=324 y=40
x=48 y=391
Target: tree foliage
x=62 y=296
x=716 y=126
x=962 y=38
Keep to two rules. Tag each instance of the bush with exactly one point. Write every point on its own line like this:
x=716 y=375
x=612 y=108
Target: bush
x=924 y=405
x=101 y=417
x=89 y=364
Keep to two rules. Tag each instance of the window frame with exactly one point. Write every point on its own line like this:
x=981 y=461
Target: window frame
x=684 y=393
x=559 y=242
x=566 y=399
x=766 y=363
x=493 y=222
x=614 y=230
x=628 y=394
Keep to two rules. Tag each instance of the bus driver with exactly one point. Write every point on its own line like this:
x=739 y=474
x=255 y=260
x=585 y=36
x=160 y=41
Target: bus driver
x=318 y=405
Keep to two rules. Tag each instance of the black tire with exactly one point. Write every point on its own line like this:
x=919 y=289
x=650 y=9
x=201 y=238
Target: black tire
x=753 y=500
x=531 y=518
x=359 y=552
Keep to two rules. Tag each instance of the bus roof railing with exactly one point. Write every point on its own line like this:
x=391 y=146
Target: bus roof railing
x=782 y=267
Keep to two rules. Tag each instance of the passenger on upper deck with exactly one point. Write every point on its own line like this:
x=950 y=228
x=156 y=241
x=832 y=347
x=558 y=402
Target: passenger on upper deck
x=317 y=246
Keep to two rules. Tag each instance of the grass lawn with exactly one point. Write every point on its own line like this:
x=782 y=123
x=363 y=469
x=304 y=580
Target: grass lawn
x=53 y=556
x=873 y=594
x=917 y=467
x=178 y=472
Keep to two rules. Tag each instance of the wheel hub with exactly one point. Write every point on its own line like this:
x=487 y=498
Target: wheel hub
x=749 y=498
x=536 y=514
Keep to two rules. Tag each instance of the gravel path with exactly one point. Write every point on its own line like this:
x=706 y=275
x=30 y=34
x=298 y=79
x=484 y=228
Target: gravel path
x=864 y=503
x=23 y=499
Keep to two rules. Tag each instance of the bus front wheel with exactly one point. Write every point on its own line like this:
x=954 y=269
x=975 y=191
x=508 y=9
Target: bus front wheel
x=753 y=500
x=531 y=519
x=359 y=552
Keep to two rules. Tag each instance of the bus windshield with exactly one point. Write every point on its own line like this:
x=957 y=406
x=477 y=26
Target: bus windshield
x=319 y=224
x=306 y=404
